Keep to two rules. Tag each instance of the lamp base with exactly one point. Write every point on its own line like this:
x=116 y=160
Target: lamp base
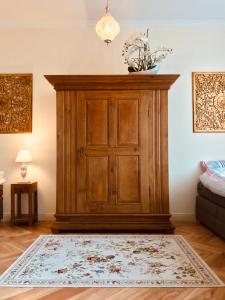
x=23 y=171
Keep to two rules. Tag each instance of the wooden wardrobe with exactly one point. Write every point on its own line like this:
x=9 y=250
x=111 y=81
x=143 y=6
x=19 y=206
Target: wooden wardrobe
x=112 y=152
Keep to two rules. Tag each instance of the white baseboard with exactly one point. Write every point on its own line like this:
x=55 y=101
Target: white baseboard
x=183 y=217
x=50 y=217
x=175 y=217
x=41 y=217
x=6 y=217
x=46 y=217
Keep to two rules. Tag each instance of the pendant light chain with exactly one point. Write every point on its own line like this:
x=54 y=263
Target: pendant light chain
x=107 y=6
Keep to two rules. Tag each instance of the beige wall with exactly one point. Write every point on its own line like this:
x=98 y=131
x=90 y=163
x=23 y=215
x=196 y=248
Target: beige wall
x=77 y=50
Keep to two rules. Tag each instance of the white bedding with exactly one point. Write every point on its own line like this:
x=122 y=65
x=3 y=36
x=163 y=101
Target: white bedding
x=214 y=185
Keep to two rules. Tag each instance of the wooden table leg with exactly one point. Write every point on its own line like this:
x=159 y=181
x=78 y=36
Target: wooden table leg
x=12 y=206
x=30 y=202
x=1 y=201
x=19 y=204
x=36 y=206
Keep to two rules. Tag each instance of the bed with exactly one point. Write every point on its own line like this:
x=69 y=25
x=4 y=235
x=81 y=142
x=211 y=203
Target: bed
x=210 y=201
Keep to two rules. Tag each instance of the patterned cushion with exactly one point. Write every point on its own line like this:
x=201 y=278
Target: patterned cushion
x=218 y=174
x=214 y=169
x=212 y=165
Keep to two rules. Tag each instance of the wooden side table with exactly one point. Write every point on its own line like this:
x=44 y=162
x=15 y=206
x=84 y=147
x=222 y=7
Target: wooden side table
x=1 y=201
x=17 y=189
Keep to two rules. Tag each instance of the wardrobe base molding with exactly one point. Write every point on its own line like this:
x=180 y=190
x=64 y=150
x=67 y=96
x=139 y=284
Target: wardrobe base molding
x=138 y=223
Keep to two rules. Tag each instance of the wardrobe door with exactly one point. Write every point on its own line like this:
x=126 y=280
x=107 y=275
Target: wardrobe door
x=112 y=152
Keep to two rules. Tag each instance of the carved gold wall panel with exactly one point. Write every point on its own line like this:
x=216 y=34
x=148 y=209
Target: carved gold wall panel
x=15 y=103
x=208 y=101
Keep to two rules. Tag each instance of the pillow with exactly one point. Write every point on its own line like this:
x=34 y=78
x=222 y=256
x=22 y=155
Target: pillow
x=212 y=165
x=215 y=186
x=218 y=174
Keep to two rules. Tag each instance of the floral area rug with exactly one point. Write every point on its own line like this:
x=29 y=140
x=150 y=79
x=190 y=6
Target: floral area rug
x=110 y=261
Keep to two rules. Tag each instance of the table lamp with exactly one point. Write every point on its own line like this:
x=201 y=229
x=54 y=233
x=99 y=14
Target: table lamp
x=23 y=157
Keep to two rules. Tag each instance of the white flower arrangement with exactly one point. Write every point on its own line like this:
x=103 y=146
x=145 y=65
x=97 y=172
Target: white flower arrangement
x=137 y=53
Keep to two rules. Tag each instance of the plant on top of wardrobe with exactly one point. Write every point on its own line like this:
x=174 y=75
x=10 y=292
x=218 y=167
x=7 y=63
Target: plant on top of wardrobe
x=137 y=53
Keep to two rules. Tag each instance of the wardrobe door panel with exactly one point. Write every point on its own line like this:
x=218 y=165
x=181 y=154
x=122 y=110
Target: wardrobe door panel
x=112 y=160
x=97 y=179
x=128 y=179
x=97 y=122
x=128 y=125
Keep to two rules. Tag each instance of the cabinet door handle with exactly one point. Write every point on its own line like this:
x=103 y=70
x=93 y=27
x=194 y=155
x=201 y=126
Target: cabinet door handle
x=81 y=151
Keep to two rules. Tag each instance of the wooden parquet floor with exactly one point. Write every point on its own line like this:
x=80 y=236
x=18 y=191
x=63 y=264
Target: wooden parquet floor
x=14 y=240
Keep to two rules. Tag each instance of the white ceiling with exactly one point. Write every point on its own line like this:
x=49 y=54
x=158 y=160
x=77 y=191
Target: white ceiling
x=30 y=11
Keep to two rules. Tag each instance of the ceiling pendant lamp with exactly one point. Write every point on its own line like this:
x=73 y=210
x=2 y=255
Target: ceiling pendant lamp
x=107 y=27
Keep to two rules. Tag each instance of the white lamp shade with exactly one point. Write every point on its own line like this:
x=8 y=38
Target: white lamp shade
x=23 y=156
x=107 y=27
